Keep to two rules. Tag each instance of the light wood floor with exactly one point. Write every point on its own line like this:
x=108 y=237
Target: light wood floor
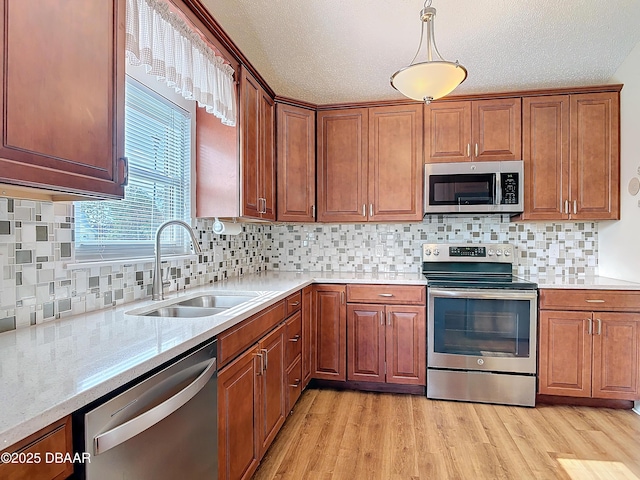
x=358 y=435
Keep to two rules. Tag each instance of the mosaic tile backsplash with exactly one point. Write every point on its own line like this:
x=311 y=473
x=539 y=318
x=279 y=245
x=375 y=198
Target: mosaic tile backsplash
x=542 y=248
x=37 y=245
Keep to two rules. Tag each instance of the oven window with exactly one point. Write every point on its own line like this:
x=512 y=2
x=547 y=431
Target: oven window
x=482 y=327
x=477 y=189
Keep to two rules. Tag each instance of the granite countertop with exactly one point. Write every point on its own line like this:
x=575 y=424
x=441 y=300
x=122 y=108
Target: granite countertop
x=577 y=282
x=53 y=369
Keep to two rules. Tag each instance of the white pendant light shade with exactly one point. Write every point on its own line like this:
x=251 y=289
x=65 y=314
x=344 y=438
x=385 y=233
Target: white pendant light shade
x=428 y=80
x=433 y=79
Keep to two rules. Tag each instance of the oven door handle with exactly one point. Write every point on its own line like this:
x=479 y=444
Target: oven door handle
x=483 y=293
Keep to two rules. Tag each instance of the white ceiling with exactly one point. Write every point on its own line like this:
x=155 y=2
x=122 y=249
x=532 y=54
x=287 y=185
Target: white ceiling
x=333 y=51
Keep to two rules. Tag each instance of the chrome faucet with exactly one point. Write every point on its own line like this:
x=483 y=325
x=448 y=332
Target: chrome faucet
x=158 y=283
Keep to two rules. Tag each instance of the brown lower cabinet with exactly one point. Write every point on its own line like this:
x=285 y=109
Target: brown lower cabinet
x=251 y=406
x=330 y=331
x=386 y=344
x=31 y=454
x=586 y=352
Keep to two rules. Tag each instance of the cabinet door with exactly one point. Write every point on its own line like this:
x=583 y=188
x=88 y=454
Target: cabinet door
x=330 y=326
x=595 y=156
x=296 y=154
x=272 y=392
x=267 y=159
x=250 y=144
x=395 y=158
x=496 y=129
x=342 y=165
x=447 y=128
x=307 y=335
x=365 y=343
x=238 y=400
x=406 y=345
x=62 y=100
x=565 y=354
x=616 y=356
x=546 y=157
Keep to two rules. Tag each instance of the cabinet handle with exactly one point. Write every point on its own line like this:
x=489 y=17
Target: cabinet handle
x=342 y=297
x=266 y=358
x=566 y=206
x=261 y=364
x=385 y=294
x=575 y=207
x=295 y=304
x=599 y=326
x=389 y=318
x=295 y=338
x=468 y=149
x=381 y=318
x=595 y=301
x=364 y=210
x=296 y=383
x=371 y=210
x=476 y=150
x=313 y=211
x=590 y=326
x=264 y=205
x=125 y=171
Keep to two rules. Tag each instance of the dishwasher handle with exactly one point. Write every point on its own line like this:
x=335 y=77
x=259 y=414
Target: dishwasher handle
x=120 y=434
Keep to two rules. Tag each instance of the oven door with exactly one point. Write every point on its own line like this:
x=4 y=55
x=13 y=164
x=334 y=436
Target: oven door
x=482 y=329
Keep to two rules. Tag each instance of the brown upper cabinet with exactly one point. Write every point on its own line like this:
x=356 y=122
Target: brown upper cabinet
x=296 y=160
x=62 y=99
x=571 y=157
x=257 y=150
x=475 y=130
x=370 y=164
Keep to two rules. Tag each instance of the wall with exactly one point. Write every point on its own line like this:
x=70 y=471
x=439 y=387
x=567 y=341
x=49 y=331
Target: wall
x=352 y=248
x=37 y=245
x=619 y=252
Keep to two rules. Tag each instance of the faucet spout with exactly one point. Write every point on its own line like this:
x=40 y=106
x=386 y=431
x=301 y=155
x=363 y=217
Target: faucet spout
x=157 y=287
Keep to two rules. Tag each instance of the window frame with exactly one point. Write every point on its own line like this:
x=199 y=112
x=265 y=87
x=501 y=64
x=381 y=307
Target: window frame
x=133 y=251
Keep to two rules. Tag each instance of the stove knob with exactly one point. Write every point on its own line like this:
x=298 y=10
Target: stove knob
x=436 y=252
x=490 y=252
x=427 y=252
x=498 y=252
x=507 y=253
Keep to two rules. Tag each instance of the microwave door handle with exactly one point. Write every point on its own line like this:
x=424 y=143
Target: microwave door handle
x=498 y=197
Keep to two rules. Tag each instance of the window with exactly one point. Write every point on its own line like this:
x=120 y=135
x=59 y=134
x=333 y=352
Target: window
x=158 y=146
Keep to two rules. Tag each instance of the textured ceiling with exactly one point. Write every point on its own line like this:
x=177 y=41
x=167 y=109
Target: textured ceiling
x=333 y=51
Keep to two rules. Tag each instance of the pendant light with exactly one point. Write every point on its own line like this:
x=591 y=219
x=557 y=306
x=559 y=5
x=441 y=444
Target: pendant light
x=433 y=79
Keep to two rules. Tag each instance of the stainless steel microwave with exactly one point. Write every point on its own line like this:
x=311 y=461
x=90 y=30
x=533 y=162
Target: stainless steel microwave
x=474 y=187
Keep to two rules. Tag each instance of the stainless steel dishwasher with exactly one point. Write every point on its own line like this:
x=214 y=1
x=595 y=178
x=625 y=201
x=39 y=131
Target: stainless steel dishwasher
x=162 y=428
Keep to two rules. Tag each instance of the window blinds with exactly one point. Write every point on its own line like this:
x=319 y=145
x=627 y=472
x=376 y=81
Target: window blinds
x=157 y=144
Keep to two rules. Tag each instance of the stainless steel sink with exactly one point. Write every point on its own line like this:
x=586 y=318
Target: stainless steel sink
x=201 y=306
x=216 y=301
x=178 y=311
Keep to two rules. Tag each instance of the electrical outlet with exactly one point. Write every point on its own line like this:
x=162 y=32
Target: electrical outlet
x=379 y=250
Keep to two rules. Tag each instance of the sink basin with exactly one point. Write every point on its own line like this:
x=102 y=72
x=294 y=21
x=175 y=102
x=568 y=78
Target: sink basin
x=216 y=301
x=179 y=311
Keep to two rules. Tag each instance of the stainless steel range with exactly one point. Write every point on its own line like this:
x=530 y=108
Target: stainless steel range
x=482 y=322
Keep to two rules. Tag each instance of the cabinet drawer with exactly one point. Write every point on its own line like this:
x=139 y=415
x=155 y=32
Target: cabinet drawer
x=590 y=300
x=52 y=439
x=387 y=294
x=294 y=337
x=294 y=383
x=240 y=337
x=293 y=302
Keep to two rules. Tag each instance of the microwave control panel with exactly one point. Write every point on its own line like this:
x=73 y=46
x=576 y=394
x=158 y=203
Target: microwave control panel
x=509 y=182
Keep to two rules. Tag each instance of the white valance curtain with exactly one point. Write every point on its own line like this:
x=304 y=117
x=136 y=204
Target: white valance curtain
x=169 y=49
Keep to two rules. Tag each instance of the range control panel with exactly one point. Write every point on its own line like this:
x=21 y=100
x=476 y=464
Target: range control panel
x=449 y=252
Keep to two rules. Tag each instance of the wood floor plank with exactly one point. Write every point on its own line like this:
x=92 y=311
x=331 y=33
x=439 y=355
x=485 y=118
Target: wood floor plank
x=336 y=435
